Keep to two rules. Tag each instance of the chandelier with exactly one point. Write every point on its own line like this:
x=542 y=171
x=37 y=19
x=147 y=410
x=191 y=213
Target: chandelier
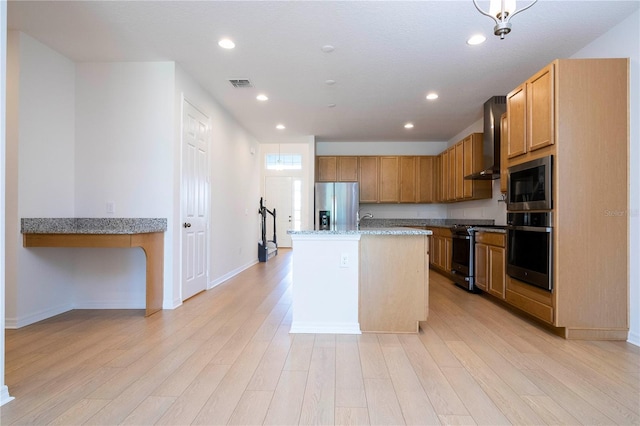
x=501 y=11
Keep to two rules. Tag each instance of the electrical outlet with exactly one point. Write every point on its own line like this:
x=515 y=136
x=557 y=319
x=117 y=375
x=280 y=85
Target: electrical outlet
x=344 y=260
x=111 y=207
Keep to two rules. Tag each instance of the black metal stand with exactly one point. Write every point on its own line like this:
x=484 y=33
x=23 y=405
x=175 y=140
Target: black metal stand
x=264 y=252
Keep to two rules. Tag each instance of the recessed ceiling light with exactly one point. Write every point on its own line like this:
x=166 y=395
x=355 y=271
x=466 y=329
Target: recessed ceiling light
x=327 y=48
x=226 y=43
x=280 y=127
x=330 y=82
x=331 y=105
x=408 y=126
x=432 y=96
x=476 y=39
x=262 y=97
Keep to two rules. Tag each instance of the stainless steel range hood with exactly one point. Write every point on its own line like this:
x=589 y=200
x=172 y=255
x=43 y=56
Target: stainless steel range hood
x=493 y=110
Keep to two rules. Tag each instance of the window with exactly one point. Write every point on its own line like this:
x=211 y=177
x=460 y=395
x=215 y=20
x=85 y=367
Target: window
x=284 y=162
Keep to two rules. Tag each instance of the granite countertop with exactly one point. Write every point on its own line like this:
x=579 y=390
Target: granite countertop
x=364 y=231
x=436 y=223
x=92 y=225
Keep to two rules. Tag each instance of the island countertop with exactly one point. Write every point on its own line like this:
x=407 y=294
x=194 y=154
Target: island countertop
x=364 y=231
x=92 y=225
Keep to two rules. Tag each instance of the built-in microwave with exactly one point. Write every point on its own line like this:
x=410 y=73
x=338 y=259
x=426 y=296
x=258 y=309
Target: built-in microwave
x=529 y=185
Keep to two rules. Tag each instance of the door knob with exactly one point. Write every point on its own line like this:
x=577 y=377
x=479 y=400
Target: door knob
x=186 y=225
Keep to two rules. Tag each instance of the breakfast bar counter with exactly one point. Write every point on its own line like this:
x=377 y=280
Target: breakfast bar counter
x=146 y=233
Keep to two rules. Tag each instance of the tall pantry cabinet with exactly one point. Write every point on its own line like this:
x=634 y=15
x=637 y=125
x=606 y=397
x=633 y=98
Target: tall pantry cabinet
x=578 y=111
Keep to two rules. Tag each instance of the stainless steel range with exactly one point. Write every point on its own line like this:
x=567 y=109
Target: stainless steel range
x=463 y=256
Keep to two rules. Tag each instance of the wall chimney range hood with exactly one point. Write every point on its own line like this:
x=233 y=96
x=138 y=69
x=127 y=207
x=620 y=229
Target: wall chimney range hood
x=493 y=110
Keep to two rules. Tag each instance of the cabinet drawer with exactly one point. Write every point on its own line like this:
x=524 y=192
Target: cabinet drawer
x=530 y=299
x=491 y=238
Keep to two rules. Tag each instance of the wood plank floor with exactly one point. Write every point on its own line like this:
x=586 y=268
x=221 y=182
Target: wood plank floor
x=226 y=357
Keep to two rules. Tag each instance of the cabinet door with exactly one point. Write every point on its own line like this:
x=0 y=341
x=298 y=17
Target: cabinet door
x=425 y=174
x=468 y=163
x=448 y=247
x=444 y=176
x=347 y=169
x=503 y=153
x=408 y=179
x=459 y=173
x=497 y=278
x=326 y=169
x=540 y=109
x=389 y=180
x=451 y=196
x=516 y=116
x=482 y=266
x=368 y=178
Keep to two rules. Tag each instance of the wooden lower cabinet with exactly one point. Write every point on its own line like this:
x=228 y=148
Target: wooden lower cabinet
x=491 y=263
x=440 y=249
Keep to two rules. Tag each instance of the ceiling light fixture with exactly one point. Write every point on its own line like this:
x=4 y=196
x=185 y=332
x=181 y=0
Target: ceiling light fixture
x=262 y=97
x=501 y=11
x=476 y=39
x=432 y=96
x=280 y=127
x=226 y=43
x=408 y=126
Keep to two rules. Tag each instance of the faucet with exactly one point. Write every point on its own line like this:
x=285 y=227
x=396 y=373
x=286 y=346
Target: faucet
x=358 y=218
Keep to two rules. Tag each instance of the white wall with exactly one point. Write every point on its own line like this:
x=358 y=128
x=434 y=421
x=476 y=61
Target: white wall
x=623 y=41
x=123 y=154
x=40 y=176
x=235 y=185
x=4 y=391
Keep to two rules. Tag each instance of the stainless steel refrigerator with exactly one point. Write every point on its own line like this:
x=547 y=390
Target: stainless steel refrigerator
x=336 y=205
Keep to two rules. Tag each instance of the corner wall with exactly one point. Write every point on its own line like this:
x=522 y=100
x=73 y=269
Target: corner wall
x=39 y=176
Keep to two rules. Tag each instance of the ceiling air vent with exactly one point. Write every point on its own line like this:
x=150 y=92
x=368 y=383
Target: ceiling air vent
x=241 y=83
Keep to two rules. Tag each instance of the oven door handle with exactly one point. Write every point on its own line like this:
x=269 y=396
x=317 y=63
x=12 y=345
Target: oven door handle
x=530 y=228
x=461 y=237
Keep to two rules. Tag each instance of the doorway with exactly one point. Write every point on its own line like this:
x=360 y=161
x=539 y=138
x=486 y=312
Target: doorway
x=284 y=193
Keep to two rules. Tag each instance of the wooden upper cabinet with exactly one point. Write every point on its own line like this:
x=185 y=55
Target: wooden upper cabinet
x=407 y=179
x=444 y=176
x=503 y=152
x=516 y=117
x=540 y=109
x=388 y=185
x=426 y=179
x=459 y=173
x=347 y=169
x=451 y=194
x=326 y=169
x=368 y=178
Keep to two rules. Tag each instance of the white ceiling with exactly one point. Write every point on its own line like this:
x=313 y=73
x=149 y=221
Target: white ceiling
x=388 y=55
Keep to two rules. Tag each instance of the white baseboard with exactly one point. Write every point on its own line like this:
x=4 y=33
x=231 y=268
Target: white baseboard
x=111 y=304
x=325 y=328
x=230 y=274
x=34 y=317
x=4 y=395
x=634 y=339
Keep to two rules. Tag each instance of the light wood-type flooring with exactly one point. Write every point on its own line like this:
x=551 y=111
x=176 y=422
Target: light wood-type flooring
x=226 y=357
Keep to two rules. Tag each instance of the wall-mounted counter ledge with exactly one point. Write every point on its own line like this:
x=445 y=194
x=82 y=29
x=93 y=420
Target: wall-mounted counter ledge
x=148 y=234
x=92 y=225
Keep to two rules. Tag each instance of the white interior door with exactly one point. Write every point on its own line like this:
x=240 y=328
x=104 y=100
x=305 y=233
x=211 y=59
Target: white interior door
x=195 y=189
x=279 y=195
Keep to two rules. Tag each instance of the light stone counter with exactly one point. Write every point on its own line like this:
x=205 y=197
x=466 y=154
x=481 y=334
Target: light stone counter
x=92 y=225
x=364 y=231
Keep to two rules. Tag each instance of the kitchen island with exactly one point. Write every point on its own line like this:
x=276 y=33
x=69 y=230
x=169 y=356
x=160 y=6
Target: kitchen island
x=349 y=281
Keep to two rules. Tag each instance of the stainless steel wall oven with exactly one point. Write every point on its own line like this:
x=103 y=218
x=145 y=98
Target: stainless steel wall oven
x=530 y=248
